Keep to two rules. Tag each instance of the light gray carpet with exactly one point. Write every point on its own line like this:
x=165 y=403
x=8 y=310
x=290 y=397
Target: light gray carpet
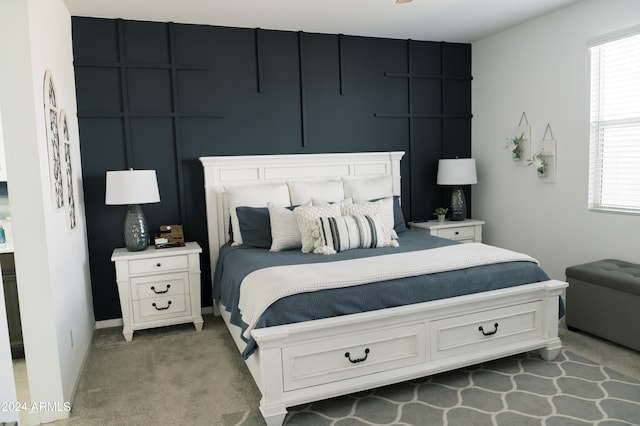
x=519 y=390
x=177 y=376
x=164 y=376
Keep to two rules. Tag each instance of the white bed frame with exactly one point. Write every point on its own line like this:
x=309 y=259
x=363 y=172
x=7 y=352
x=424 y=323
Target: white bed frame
x=315 y=360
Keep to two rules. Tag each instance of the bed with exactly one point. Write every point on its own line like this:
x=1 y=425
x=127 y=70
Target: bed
x=295 y=360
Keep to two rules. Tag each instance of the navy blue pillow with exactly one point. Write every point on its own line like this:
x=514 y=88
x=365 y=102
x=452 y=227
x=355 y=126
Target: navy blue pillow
x=255 y=226
x=399 y=224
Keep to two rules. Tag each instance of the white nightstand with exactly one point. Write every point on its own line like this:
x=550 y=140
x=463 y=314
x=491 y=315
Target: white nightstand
x=158 y=287
x=466 y=231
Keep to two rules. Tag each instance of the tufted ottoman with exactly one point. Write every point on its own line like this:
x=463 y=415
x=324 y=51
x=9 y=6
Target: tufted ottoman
x=603 y=298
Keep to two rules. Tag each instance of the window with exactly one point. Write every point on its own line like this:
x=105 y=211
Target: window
x=614 y=166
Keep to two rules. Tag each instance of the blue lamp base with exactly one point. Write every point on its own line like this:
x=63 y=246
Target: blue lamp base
x=136 y=232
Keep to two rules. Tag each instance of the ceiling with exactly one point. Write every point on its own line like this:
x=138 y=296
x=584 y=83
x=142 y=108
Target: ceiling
x=462 y=21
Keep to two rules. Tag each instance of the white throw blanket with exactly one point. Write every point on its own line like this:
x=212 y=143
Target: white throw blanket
x=265 y=286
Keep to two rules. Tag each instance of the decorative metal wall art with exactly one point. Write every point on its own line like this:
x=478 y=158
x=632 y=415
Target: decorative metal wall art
x=69 y=194
x=53 y=141
x=59 y=148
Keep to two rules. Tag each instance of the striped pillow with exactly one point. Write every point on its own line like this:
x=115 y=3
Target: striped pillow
x=339 y=233
x=285 y=233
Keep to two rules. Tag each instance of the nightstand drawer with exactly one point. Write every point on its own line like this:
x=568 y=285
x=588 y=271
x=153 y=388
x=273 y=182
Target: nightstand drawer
x=158 y=264
x=160 y=285
x=161 y=307
x=465 y=231
x=462 y=233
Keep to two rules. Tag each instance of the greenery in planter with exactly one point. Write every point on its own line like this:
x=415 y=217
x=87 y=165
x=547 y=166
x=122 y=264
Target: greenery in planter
x=440 y=211
x=515 y=146
x=540 y=163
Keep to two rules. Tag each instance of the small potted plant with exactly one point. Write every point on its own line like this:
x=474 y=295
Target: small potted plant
x=440 y=212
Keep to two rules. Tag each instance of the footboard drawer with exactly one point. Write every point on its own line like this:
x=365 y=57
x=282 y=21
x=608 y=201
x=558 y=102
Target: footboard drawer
x=353 y=354
x=483 y=330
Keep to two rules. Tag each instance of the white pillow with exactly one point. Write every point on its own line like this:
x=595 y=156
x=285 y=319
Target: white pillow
x=344 y=202
x=306 y=216
x=327 y=191
x=253 y=196
x=285 y=233
x=368 y=188
x=382 y=208
x=349 y=232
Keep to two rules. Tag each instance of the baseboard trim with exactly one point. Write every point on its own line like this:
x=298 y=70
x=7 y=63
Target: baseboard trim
x=76 y=381
x=117 y=322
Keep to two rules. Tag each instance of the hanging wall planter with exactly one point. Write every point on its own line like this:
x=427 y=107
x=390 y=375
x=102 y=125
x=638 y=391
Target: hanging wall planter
x=545 y=159
x=520 y=144
x=539 y=161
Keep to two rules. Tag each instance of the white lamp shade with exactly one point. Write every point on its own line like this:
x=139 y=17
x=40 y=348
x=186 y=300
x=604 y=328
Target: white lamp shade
x=131 y=187
x=459 y=171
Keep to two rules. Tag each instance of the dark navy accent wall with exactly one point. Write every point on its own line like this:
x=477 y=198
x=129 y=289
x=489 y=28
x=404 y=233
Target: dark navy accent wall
x=160 y=95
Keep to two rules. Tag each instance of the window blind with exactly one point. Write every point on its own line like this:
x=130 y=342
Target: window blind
x=614 y=165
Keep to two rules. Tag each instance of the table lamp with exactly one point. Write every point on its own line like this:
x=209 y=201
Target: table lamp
x=132 y=188
x=457 y=172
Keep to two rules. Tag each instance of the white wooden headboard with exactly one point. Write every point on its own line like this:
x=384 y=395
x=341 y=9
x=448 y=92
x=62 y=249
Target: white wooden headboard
x=259 y=169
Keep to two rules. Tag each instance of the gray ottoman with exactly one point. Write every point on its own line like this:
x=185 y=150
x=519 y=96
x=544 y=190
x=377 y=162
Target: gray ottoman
x=603 y=298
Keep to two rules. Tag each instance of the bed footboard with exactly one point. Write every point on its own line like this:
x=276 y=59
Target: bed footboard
x=315 y=360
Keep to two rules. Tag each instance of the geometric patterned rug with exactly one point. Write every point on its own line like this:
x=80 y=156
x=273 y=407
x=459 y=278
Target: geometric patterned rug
x=519 y=390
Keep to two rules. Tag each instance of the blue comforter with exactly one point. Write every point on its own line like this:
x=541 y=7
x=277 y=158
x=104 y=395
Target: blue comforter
x=234 y=263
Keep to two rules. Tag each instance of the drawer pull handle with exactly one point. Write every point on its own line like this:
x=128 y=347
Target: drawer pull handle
x=457 y=232
x=161 y=291
x=161 y=309
x=158 y=264
x=489 y=333
x=357 y=360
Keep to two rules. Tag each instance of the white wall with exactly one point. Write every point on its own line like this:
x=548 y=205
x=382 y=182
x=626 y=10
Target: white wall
x=542 y=68
x=51 y=260
x=7 y=388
